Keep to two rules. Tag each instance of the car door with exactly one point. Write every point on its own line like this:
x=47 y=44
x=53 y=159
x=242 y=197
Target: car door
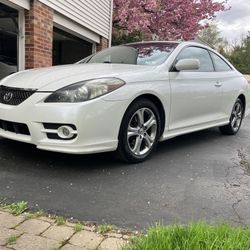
x=231 y=83
x=195 y=95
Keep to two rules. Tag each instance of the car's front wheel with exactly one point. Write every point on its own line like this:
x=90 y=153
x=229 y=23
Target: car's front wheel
x=235 y=120
x=139 y=132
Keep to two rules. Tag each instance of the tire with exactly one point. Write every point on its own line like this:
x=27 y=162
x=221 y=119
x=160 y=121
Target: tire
x=235 y=120
x=139 y=131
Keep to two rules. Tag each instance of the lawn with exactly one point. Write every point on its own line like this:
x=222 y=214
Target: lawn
x=198 y=236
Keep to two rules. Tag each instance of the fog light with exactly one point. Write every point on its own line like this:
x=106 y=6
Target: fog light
x=65 y=132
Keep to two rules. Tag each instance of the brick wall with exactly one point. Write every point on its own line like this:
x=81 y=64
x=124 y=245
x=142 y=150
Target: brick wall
x=104 y=44
x=38 y=35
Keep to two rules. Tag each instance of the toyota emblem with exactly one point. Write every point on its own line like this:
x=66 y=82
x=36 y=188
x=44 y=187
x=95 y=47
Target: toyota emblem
x=8 y=96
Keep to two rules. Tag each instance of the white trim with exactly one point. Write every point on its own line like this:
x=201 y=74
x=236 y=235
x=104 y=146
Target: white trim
x=70 y=26
x=21 y=40
x=17 y=4
x=21 y=29
x=111 y=22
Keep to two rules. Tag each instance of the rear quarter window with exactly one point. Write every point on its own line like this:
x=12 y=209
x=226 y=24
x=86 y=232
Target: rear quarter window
x=219 y=64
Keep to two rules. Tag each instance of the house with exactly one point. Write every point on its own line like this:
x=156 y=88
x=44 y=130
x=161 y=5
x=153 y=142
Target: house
x=41 y=33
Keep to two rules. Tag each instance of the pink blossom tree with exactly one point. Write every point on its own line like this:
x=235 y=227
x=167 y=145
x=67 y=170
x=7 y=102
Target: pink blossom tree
x=165 y=19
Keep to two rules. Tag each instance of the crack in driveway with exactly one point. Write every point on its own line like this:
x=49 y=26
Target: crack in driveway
x=237 y=180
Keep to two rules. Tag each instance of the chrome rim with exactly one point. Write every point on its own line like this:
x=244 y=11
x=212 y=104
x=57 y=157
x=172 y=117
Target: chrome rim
x=236 y=116
x=142 y=131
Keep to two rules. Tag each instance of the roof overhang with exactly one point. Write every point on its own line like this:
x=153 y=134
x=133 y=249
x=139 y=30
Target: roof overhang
x=74 y=28
x=17 y=4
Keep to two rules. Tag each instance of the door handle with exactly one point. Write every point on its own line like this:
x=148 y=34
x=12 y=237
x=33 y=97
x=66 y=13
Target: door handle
x=218 y=84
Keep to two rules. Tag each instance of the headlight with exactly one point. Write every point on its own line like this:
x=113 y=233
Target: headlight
x=86 y=90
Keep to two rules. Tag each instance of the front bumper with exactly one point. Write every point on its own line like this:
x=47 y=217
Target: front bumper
x=97 y=123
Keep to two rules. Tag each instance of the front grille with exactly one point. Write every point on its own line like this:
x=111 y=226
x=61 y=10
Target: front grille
x=14 y=96
x=14 y=127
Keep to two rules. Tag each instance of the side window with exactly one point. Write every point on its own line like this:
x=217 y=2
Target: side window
x=198 y=53
x=219 y=63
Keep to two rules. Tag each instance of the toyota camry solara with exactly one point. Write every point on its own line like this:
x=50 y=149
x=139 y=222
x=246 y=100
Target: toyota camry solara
x=124 y=99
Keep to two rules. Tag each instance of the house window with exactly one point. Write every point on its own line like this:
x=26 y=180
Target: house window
x=68 y=48
x=8 y=40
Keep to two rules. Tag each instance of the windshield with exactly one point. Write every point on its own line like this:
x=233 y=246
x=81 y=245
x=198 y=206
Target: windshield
x=137 y=54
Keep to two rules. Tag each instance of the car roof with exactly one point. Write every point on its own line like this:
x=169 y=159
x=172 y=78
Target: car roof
x=173 y=42
x=155 y=42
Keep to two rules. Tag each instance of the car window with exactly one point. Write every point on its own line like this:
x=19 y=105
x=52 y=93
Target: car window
x=119 y=54
x=153 y=53
x=138 y=54
x=206 y=64
x=219 y=63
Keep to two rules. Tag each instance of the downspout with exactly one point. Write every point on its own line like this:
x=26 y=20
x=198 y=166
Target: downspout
x=111 y=22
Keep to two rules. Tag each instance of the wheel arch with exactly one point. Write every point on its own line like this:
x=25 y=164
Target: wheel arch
x=243 y=99
x=156 y=100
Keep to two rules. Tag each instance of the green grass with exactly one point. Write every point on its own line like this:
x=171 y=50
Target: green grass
x=29 y=216
x=198 y=236
x=60 y=221
x=16 y=208
x=11 y=240
x=105 y=228
x=40 y=213
x=78 y=227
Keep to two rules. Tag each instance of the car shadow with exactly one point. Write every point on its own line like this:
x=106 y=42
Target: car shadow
x=189 y=141
x=16 y=153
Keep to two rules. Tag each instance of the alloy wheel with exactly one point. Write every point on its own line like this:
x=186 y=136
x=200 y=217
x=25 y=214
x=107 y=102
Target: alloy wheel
x=142 y=131
x=236 y=116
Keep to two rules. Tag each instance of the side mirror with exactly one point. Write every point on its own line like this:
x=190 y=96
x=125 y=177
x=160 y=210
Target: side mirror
x=187 y=64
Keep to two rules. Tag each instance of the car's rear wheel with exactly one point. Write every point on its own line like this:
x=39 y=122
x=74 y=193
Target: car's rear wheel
x=235 y=120
x=139 y=132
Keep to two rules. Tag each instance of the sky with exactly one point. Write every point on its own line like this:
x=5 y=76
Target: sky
x=235 y=22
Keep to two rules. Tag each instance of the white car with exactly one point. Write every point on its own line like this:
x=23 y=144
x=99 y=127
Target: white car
x=124 y=99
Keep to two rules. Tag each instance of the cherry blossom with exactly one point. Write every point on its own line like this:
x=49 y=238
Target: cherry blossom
x=165 y=19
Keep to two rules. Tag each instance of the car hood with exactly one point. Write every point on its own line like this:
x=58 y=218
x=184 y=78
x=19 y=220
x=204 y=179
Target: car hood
x=54 y=78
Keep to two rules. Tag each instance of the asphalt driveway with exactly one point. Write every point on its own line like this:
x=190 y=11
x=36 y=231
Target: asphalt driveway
x=197 y=176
